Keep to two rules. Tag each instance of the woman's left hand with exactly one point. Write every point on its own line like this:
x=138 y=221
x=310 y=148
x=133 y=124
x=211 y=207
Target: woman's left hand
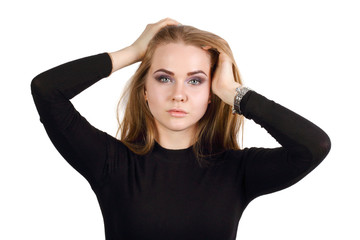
x=223 y=83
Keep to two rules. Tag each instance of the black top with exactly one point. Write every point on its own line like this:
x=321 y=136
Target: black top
x=165 y=194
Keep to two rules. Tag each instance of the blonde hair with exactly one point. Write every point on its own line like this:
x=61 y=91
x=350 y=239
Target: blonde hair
x=217 y=130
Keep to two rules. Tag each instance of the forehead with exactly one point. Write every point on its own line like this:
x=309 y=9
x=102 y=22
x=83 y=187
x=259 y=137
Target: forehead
x=181 y=57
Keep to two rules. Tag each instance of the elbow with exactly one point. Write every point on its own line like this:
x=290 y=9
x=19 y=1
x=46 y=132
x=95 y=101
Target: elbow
x=315 y=151
x=36 y=85
x=323 y=149
x=325 y=146
x=39 y=87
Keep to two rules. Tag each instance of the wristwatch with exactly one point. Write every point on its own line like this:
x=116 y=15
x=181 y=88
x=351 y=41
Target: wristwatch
x=240 y=93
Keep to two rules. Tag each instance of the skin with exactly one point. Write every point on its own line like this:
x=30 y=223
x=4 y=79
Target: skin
x=186 y=88
x=177 y=133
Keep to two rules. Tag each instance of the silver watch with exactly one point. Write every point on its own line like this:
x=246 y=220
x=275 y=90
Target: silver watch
x=240 y=93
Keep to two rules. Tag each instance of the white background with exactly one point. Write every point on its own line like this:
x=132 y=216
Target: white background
x=304 y=55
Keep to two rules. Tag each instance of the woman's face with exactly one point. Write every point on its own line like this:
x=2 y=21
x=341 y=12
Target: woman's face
x=177 y=86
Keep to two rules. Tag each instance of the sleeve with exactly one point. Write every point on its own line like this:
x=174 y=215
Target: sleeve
x=83 y=146
x=303 y=147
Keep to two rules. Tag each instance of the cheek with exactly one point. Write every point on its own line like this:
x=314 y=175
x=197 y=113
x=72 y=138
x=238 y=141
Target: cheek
x=203 y=93
x=155 y=94
x=156 y=98
x=201 y=100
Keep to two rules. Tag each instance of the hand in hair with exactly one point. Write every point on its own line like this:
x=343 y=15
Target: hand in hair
x=140 y=45
x=136 y=51
x=223 y=83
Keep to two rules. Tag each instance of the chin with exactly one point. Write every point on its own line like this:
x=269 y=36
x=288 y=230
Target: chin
x=178 y=126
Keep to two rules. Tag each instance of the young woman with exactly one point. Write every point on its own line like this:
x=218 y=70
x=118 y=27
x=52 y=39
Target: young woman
x=177 y=171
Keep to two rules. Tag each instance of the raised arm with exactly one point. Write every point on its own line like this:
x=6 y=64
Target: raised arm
x=304 y=145
x=85 y=147
x=82 y=145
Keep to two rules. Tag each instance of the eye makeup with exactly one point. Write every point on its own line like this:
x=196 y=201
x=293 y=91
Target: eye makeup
x=192 y=80
x=195 y=81
x=163 y=78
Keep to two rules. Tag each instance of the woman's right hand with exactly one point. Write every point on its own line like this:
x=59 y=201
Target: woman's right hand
x=136 y=51
x=140 y=45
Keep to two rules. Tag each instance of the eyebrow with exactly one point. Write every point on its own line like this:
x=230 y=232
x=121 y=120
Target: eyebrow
x=172 y=74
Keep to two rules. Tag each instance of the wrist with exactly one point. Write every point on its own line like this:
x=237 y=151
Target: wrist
x=229 y=93
x=123 y=58
x=240 y=93
x=135 y=53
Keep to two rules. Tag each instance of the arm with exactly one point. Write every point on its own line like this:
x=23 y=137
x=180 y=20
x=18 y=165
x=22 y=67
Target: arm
x=304 y=145
x=123 y=58
x=82 y=145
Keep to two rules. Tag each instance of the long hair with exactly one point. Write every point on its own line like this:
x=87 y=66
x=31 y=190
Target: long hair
x=217 y=130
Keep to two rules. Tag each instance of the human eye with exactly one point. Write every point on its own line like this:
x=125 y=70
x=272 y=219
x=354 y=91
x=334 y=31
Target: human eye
x=194 y=81
x=163 y=79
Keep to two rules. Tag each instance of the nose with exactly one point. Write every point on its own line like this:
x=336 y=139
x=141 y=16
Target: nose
x=179 y=93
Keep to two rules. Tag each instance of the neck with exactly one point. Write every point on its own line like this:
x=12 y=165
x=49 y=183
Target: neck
x=176 y=139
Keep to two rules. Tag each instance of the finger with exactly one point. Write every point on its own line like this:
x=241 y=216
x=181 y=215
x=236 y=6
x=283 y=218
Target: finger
x=169 y=21
x=206 y=47
x=222 y=55
x=166 y=22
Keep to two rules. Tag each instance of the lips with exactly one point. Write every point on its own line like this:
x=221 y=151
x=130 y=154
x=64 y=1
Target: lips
x=175 y=112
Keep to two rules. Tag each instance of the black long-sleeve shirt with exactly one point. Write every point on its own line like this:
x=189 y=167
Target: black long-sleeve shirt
x=165 y=194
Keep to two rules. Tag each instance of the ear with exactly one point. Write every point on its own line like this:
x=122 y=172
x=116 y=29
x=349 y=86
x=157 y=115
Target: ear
x=145 y=94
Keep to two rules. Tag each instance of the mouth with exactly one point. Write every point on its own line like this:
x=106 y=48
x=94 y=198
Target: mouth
x=177 y=113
